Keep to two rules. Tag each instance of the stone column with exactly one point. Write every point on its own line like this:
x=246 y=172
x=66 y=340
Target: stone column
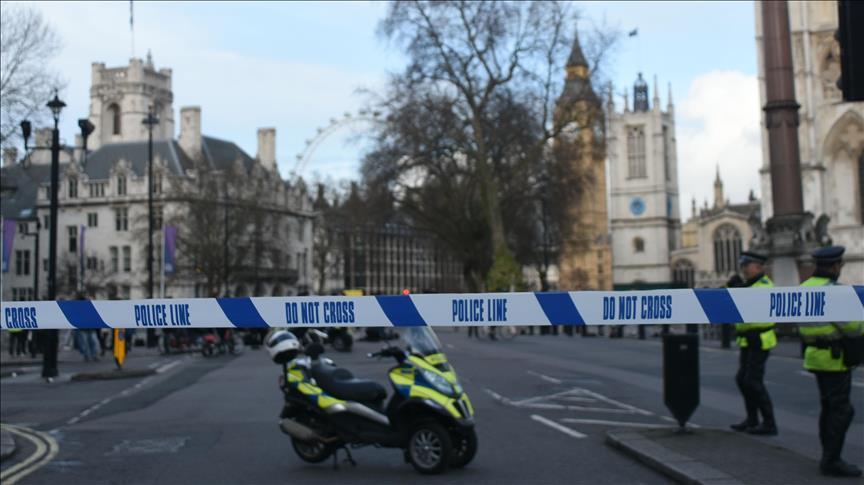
x=790 y=232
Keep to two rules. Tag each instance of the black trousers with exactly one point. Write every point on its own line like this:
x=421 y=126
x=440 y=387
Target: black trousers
x=750 y=379
x=837 y=412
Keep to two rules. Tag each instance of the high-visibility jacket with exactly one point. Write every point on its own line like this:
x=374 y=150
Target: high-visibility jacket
x=764 y=330
x=819 y=338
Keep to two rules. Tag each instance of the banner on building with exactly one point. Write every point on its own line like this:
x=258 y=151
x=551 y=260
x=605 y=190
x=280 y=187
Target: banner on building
x=168 y=248
x=9 y=227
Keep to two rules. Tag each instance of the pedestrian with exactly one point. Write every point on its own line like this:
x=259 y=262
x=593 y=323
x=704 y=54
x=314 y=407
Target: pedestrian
x=832 y=350
x=473 y=332
x=755 y=341
x=17 y=342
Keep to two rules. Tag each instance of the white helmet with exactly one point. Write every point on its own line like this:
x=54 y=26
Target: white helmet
x=282 y=346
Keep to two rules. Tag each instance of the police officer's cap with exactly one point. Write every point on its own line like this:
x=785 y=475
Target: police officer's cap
x=751 y=257
x=828 y=255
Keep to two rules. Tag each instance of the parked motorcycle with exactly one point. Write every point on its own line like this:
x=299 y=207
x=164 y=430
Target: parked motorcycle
x=327 y=409
x=213 y=344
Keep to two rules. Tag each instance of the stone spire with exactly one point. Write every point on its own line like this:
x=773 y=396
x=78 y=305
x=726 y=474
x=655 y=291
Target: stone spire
x=656 y=99
x=670 y=107
x=719 y=201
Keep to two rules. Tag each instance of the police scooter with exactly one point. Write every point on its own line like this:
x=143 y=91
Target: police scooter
x=326 y=409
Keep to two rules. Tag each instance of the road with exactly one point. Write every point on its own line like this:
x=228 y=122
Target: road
x=543 y=406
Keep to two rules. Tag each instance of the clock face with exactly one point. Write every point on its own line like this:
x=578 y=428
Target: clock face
x=637 y=206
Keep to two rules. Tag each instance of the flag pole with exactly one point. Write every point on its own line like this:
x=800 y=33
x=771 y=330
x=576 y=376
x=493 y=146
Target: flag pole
x=162 y=273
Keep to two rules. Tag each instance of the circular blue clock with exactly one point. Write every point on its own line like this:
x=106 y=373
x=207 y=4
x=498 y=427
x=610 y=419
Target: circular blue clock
x=637 y=206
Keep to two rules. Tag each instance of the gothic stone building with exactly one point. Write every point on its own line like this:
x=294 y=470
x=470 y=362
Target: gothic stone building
x=585 y=260
x=643 y=182
x=102 y=221
x=830 y=133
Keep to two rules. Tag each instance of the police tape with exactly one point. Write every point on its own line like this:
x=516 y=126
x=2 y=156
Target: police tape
x=703 y=306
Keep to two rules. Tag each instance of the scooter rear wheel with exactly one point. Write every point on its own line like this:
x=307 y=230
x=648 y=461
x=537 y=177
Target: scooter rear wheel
x=312 y=451
x=429 y=448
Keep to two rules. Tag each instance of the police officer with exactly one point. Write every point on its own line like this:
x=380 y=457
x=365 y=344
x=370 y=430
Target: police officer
x=823 y=356
x=755 y=341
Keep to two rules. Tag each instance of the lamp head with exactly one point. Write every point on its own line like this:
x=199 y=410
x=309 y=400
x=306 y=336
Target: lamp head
x=56 y=106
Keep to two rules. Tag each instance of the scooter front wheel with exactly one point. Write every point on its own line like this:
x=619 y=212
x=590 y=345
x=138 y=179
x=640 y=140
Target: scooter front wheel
x=429 y=448
x=312 y=451
x=464 y=447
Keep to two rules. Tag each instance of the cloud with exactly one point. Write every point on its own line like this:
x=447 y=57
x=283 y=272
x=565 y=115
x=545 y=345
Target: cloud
x=719 y=125
x=239 y=84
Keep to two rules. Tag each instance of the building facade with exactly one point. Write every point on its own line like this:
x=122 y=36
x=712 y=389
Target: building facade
x=240 y=229
x=643 y=182
x=830 y=131
x=585 y=257
x=712 y=240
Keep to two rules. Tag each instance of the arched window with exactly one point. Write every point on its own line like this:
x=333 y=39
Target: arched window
x=636 y=152
x=121 y=185
x=727 y=248
x=114 y=116
x=638 y=245
x=684 y=273
x=861 y=187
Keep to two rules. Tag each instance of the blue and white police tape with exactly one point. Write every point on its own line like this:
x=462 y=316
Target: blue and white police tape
x=711 y=306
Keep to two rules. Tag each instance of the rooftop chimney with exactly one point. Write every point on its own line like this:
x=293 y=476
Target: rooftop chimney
x=267 y=147
x=190 y=131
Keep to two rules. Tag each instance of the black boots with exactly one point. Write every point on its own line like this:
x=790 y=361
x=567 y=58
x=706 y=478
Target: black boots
x=764 y=429
x=744 y=425
x=839 y=468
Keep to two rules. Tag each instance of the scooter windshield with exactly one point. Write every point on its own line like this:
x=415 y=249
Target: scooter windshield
x=421 y=340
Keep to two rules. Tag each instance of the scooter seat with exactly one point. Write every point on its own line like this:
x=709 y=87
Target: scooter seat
x=341 y=384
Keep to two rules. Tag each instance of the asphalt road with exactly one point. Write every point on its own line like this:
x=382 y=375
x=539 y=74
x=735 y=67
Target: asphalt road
x=543 y=406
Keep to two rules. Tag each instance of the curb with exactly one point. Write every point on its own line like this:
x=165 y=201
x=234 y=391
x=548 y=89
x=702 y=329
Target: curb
x=7 y=444
x=111 y=375
x=674 y=465
x=12 y=372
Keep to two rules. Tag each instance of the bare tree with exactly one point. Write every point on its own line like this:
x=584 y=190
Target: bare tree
x=27 y=44
x=469 y=123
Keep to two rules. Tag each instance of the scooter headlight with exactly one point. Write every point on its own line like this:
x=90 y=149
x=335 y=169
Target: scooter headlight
x=438 y=382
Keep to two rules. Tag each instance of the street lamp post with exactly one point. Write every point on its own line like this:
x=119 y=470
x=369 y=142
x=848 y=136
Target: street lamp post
x=150 y=121
x=49 y=355
x=56 y=106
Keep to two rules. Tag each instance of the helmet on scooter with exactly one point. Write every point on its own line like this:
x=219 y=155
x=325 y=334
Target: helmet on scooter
x=282 y=346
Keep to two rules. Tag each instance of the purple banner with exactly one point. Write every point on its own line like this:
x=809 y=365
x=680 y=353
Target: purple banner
x=9 y=227
x=169 y=247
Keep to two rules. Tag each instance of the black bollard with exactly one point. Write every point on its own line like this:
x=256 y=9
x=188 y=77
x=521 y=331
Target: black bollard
x=681 y=375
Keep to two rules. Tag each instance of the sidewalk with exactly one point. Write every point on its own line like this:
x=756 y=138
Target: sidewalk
x=73 y=367
x=716 y=457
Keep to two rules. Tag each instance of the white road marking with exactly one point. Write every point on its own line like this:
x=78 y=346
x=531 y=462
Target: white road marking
x=603 y=398
x=559 y=427
x=545 y=377
x=168 y=366
x=46 y=450
x=449 y=346
x=855 y=382
x=626 y=424
x=564 y=407
x=92 y=409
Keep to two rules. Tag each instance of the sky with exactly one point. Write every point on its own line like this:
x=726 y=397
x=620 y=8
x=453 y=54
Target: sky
x=295 y=66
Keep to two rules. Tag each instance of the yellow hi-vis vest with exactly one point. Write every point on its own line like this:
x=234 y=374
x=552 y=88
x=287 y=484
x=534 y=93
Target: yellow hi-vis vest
x=765 y=330
x=819 y=337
